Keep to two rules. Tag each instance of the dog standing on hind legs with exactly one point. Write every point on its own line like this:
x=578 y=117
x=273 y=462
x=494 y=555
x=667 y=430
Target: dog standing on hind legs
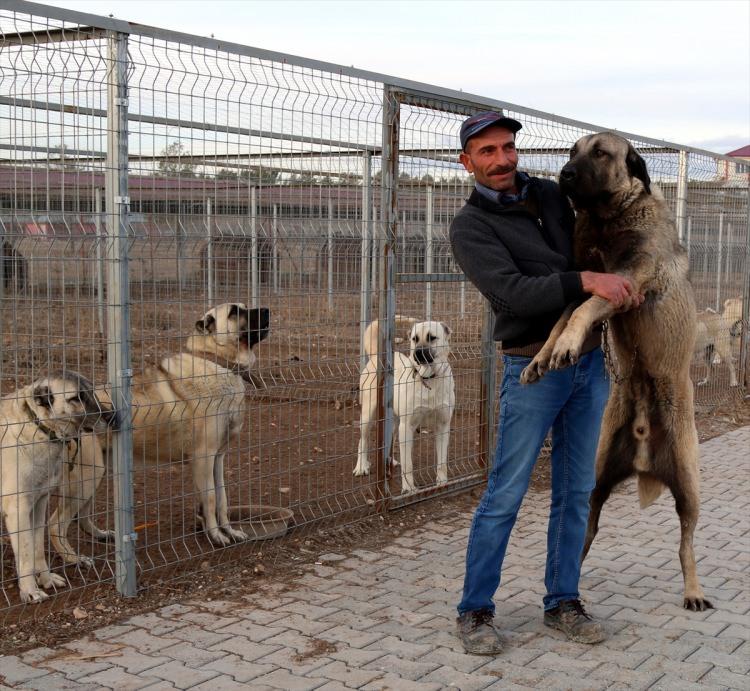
x=623 y=226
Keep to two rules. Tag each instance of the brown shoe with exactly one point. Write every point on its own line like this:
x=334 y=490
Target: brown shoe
x=572 y=619
x=478 y=634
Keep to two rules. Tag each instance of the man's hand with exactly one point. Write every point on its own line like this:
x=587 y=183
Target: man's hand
x=617 y=289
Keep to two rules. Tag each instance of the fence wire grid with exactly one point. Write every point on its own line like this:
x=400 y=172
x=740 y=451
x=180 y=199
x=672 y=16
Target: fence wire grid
x=150 y=180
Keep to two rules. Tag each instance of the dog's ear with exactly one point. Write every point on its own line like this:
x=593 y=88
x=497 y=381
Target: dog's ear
x=234 y=310
x=446 y=329
x=637 y=168
x=43 y=396
x=206 y=325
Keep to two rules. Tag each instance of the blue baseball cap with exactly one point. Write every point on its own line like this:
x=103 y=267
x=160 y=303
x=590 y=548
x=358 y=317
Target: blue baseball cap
x=476 y=123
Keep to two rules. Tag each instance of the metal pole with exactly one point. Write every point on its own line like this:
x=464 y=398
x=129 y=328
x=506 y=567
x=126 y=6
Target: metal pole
x=719 y=260
x=100 y=241
x=428 y=253
x=118 y=353
x=275 y=249
x=254 y=247
x=682 y=186
x=689 y=228
x=330 y=255
x=209 y=254
x=386 y=303
x=364 y=298
x=375 y=240
x=745 y=332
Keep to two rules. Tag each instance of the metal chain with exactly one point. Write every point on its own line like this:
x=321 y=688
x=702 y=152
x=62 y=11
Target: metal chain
x=609 y=360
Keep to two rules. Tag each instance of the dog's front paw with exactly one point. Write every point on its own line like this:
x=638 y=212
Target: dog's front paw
x=234 y=533
x=218 y=538
x=51 y=580
x=362 y=468
x=535 y=370
x=33 y=596
x=566 y=352
x=408 y=486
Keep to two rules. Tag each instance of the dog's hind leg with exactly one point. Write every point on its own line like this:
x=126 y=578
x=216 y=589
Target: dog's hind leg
x=369 y=402
x=614 y=458
x=684 y=483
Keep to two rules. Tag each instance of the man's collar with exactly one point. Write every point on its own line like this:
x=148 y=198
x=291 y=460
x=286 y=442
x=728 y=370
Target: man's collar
x=503 y=198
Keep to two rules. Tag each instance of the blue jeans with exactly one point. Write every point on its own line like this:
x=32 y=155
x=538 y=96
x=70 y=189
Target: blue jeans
x=570 y=401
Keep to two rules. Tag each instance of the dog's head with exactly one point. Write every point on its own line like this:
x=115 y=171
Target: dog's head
x=66 y=404
x=604 y=171
x=231 y=330
x=429 y=346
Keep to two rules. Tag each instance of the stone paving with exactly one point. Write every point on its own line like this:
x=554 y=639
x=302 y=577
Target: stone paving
x=385 y=620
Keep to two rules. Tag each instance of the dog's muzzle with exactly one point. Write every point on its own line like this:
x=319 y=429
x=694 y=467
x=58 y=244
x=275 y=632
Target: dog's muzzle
x=423 y=356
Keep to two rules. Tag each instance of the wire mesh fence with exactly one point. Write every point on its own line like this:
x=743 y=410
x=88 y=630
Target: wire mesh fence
x=205 y=232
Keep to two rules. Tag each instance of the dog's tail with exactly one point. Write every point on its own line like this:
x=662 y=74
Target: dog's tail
x=649 y=489
x=372 y=332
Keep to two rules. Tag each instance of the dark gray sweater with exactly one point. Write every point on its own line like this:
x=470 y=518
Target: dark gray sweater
x=521 y=259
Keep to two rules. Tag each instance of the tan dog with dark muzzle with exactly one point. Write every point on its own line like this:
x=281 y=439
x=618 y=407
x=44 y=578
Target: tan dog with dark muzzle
x=624 y=226
x=42 y=427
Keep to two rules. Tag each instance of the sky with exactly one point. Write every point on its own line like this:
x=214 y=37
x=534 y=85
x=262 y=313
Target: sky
x=674 y=70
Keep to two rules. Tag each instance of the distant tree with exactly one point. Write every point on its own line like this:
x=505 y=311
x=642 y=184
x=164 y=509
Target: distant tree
x=171 y=165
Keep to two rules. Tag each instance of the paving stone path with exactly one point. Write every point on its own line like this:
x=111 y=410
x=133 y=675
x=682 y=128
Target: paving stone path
x=385 y=620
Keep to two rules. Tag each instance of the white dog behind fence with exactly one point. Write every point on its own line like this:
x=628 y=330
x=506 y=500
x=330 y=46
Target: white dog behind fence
x=423 y=395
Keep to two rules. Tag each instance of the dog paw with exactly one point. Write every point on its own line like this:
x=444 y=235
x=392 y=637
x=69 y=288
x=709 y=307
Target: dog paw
x=51 y=580
x=234 y=533
x=566 y=353
x=408 y=486
x=105 y=536
x=696 y=604
x=218 y=538
x=33 y=596
x=534 y=371
x=361 y=469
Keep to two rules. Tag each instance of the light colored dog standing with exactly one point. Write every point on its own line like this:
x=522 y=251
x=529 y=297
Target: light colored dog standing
x=714 y=337
x=423 y=395
x=191 y=405
x=41 y=428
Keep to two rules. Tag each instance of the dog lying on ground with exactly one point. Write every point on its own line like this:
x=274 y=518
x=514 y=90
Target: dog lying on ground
x=41 y=428
x=624 y=226
x=423 y=395
x=191 y=405
x=714 y=337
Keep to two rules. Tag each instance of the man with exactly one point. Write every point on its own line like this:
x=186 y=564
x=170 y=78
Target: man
x=513 y=240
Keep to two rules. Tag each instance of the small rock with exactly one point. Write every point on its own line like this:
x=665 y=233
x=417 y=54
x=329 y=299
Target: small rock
x=80 y=613
x=259 y=569
x=285 y=490
x=205 y=566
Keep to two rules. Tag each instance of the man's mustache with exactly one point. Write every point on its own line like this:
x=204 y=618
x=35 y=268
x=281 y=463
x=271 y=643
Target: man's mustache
x=502 y=171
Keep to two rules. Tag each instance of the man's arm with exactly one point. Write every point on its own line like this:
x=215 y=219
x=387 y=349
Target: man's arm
x=490 y=267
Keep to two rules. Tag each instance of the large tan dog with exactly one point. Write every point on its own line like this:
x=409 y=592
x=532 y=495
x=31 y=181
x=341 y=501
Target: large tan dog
x=192 y=405
x=624 y=226
x=423 y=395
x=42 y=427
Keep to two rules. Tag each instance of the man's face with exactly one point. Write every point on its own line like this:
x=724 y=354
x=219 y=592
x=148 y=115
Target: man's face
x=492 y=157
